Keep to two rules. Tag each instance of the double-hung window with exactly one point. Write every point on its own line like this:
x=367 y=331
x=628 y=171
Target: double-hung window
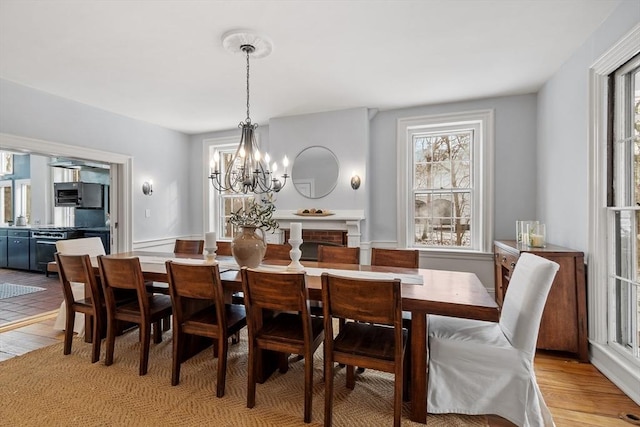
x=223 y=203
x=446 y=174
x=624 y=210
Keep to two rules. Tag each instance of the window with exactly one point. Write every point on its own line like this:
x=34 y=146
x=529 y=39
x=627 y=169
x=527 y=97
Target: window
x=222 y=204
x=624 y=210
x=446 y=192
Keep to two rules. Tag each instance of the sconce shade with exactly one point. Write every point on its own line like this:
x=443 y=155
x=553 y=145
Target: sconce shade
x=147 y=188
x=355 y=182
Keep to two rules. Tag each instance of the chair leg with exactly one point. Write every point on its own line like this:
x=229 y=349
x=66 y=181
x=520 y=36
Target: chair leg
x=157 y=332
x=308 y=387
x=251 y=379
x=397 y=397
x=222 y=366
x=177 y=357
x=96 y=340
x=68 y=330
x=235 y=338
x=328 y=390
x=351 y=378
x=111 y=341
x=145 y=330
x=283 y=362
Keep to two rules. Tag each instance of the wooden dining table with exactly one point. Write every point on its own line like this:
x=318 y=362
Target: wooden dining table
x=447 y=293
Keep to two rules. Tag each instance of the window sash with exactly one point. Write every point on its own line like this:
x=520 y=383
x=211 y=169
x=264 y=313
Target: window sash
x=481 y=158
x=623 y=217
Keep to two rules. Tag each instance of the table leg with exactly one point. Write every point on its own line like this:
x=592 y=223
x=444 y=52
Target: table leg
x=419 y=367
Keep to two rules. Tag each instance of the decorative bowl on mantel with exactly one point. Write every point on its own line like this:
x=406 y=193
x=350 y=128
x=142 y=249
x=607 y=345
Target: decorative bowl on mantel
x=313 y=212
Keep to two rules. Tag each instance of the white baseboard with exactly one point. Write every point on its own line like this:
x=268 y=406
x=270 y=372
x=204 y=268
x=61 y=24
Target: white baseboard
x=619 y=370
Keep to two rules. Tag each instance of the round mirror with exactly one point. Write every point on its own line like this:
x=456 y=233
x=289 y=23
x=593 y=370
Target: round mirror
x=315 y=172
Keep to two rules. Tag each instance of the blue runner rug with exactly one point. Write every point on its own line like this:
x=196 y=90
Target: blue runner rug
x=9 y=290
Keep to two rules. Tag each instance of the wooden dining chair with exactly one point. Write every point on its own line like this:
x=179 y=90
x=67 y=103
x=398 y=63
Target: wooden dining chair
x=405 y=258
x=91 y=246
x=338 y=254
x=224 y=248
x=278 y=252
x=199 y=309
x=188 y=246
x=77 y=269
x=125 y=273
x=278 y=319
x=374 y=338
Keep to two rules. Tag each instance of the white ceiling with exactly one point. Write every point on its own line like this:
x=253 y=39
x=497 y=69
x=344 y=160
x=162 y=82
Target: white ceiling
x=163 y=62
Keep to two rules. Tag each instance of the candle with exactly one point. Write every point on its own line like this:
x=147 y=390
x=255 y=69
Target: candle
x=210 y=240
x=296 y=231
x=537 y=240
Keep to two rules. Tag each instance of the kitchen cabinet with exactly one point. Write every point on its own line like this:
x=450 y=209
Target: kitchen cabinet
x=564 y=321
x=3 y=247
x=18 y=249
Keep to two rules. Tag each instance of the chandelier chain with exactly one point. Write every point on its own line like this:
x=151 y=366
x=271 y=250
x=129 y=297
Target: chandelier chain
x=248 y=118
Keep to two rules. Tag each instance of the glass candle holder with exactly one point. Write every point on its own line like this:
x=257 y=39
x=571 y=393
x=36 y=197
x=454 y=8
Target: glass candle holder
x=522 y=232
x=537 y=234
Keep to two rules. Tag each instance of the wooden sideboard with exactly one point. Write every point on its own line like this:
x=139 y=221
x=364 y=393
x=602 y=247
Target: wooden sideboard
x=564 y=321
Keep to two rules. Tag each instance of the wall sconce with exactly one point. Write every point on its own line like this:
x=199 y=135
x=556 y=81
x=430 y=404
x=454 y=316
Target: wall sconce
x=355 y=181
x=147 y=188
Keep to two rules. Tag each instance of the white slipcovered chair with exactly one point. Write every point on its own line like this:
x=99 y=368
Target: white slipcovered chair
x=91 y=246
x=479 y=367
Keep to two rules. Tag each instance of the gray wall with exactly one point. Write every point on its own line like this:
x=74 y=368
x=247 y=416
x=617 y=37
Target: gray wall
x=563 y=176
x=159 y=154
x=515 y=162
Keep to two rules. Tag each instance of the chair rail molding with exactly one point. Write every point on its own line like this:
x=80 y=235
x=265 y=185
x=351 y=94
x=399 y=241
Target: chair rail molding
x=349 y=220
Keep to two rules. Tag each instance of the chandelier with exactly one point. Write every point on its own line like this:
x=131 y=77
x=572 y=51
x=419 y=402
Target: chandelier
x=248 y=170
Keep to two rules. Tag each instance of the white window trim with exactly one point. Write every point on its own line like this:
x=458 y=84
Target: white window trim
x=618 y=368
x=483 y=155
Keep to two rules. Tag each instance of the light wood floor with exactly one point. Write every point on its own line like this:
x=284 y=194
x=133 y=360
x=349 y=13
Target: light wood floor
x=576 y=393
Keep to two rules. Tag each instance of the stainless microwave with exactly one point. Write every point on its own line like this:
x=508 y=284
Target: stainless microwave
x=79 y=195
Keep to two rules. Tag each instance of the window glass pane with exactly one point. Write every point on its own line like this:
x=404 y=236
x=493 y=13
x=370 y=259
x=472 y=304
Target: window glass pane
x=442 y=166
x=625 y=236
x=442 y=219
x=636 y=135
x=623 y=271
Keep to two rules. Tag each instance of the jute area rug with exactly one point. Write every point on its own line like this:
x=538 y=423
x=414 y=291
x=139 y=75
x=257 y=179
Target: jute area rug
x=46 y=388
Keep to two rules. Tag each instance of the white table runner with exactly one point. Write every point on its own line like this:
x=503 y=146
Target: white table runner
x=410 y=279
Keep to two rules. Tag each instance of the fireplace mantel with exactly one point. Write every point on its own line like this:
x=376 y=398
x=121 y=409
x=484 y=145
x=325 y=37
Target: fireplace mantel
x=348 y=220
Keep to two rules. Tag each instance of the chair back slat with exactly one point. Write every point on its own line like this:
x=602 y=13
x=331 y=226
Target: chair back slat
x=77 y=269
x=405 y=258
x=278 y=252
x=339 y=254
x=194 y=281
x=224 y=248
x=363 y=299
x=121 y=274
x=275 y=291
x=188 y=246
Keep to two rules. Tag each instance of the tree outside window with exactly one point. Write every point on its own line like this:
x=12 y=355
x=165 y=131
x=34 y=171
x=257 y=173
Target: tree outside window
x=442 y=188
